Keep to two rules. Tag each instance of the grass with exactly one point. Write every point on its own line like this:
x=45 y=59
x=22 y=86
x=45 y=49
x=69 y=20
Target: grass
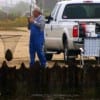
x=12 y=29
x=12 y=25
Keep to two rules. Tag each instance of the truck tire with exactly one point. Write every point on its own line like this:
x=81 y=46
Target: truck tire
x=66 y=56
x=98 y=59
x=67 y=53
x=48 y=56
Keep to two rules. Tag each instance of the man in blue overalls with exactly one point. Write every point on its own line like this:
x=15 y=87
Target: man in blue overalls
x=37 y=25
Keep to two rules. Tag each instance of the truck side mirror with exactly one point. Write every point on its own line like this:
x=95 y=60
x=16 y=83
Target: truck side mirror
x=48 y=19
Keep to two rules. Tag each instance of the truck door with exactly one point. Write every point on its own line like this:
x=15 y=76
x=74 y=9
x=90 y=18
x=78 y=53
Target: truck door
x=52 y=28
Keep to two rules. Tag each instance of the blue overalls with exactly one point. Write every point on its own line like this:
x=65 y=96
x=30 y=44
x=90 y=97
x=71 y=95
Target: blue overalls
x=36 y=45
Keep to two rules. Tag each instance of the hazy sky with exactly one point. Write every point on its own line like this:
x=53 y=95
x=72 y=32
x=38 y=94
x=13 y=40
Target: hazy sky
x=4 y=2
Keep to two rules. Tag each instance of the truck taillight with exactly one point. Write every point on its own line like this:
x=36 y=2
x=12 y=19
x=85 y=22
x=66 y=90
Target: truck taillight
x=75 y=31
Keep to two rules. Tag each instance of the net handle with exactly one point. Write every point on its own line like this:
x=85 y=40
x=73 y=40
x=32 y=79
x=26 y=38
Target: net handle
x=9 y=36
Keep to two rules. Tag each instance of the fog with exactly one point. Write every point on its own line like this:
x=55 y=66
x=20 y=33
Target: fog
x=11 y=2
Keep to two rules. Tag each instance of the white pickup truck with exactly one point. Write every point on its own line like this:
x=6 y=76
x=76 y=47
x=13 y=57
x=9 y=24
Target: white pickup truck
x=66 y=26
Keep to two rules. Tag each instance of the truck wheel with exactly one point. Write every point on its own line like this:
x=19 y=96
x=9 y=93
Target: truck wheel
x=97 y=59
x=48 y=56
x=66 y=56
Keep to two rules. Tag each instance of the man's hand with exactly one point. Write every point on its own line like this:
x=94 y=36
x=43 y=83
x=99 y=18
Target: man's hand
x=31 y=20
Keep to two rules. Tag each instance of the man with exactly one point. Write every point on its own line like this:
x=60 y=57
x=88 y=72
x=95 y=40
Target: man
x=37 y=25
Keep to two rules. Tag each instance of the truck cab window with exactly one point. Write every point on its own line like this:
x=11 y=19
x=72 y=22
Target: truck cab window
x=81 y=11
x=55 y=11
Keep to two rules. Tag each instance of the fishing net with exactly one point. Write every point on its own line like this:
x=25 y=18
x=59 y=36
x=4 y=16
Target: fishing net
x=10 y=42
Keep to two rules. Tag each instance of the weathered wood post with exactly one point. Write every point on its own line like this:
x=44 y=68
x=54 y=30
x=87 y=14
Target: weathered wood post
x=44 y=75
x=71 y=76
x=89 y=76
x=35 y=79
x=22 y=76
x=64 y=80
x=55 y=83
x=8 y=80
x=97 y=80
x=75 y=76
